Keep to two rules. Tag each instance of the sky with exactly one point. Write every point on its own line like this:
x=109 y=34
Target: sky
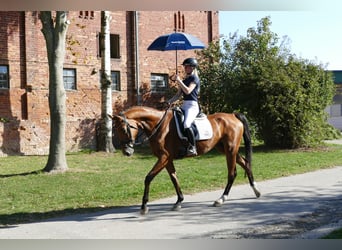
x=314 y=35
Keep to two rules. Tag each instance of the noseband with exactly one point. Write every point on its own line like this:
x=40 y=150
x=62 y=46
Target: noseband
x=129 y=142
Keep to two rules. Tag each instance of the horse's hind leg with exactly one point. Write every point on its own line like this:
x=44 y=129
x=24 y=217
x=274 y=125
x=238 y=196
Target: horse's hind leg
x=248 y=170
x=231 y=165
x=172 y=173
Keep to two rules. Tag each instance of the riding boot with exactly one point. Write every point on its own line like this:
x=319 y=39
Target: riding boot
x=191 y=151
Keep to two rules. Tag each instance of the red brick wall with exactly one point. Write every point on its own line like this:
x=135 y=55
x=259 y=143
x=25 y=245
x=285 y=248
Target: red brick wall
x=24 y=112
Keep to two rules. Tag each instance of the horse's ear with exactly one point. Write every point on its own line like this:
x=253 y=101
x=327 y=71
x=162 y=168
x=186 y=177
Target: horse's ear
x=142 y=124
x=114 y=117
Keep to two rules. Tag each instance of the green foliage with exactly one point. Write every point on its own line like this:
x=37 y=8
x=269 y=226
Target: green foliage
x=4 y=119
x=284 y=96
x=336 y=234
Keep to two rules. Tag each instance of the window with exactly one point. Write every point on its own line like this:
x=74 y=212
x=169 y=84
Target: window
x=179 y=24
x=114 y=46
x=115 y=77
x=335 y=110
x=115 y=80
x=159 y=83
x=69 y=79
x=86 y=14
x=4 y=82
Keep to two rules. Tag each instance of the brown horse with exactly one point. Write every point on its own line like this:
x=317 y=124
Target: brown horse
x=160 y=129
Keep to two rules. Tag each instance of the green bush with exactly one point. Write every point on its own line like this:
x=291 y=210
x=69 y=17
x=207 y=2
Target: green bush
x=284 y=96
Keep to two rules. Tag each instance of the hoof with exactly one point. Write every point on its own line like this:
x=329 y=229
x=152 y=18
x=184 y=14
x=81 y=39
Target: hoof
x=256 y=191
x=144 y=211
x=176 y=207
x=218 y=203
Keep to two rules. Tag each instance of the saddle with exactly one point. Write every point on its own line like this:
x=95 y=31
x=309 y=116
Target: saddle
x=201 y=125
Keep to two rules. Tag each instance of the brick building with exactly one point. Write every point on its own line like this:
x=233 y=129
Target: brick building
x=139 y=76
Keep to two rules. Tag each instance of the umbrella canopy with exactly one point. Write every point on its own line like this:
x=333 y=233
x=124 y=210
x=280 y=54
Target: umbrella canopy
x=176 y=41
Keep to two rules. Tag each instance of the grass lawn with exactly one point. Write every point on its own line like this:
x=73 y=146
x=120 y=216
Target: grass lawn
x=98 y=181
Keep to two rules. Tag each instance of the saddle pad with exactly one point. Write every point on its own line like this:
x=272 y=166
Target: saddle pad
x=204 y=129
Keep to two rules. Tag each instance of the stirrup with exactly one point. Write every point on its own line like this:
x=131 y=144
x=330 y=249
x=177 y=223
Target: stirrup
x=191 y=151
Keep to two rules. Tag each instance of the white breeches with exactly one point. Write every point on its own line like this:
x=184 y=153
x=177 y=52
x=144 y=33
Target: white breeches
x=191 y=110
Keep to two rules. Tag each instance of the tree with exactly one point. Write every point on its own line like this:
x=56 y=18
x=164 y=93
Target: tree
x=54 y=30
x=212 y=73
x=283 y=95
x=105 y=142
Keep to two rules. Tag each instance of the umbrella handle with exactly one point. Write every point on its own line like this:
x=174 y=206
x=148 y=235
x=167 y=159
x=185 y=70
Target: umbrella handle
x=173 y=77
x=176 y=62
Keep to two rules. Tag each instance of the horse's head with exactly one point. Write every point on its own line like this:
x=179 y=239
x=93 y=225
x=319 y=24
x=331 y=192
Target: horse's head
x=127 y=131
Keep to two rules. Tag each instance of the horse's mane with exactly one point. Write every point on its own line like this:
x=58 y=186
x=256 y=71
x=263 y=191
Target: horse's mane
x=143 y=111
x=146 y=108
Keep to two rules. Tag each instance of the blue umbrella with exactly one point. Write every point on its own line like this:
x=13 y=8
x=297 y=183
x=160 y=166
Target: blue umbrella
x=176 y=41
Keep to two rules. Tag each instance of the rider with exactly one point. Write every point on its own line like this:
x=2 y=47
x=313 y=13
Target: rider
x=189 y=87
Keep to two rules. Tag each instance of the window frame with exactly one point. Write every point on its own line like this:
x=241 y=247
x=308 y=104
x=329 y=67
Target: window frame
x=86 y=14
x=6 y=79
x=114 y=46
x=117 y=86
x=159 y=89
x=65 y=77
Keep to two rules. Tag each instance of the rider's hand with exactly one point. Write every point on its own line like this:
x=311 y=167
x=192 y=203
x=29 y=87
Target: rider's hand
x=178 y=79
x=173 y=77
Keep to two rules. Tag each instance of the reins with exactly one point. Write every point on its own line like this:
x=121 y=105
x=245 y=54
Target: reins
x=154 y=131
x=158 y=125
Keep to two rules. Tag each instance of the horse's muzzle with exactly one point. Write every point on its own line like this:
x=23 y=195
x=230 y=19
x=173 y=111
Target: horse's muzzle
x=128 y=150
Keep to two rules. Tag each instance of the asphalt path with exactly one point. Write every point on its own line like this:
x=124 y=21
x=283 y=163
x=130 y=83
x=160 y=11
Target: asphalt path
x=285 y=199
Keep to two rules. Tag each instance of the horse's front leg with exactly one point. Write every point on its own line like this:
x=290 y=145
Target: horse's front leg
x=148 y=179
x=172 y=173
x=160 y=164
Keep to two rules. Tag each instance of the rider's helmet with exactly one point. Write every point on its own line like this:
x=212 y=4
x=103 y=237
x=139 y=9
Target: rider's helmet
x=190 y=61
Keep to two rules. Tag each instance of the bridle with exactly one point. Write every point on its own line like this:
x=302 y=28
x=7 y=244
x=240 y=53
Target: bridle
x=130 y=142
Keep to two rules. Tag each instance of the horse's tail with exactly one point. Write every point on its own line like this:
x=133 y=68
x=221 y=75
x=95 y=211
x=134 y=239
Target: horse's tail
x=246 y=137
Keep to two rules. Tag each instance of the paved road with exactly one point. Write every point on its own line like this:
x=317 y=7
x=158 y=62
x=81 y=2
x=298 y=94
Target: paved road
x=286 y=199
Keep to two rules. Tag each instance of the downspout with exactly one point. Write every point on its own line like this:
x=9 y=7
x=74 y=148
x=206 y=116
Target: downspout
x=137 y=68
x=210 y=26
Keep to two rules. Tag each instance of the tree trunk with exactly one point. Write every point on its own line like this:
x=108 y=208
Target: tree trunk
x=105 y=142
x=55 y=37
